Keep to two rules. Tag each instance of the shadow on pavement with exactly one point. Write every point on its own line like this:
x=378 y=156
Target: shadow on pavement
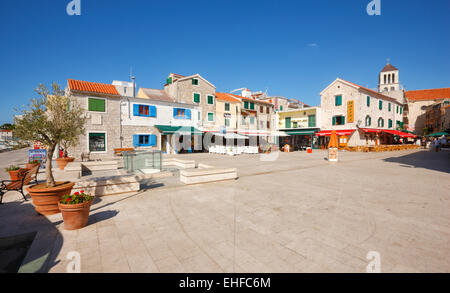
x=36 y=239
x=437 y=161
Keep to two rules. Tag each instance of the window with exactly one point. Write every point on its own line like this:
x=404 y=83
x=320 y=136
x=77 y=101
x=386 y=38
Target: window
x=390 y=123
x=287 y=122
x=227 y=106
x=401 y=110
x=368 y=121
x=268 y=110
x=195 y=81
x=268 y=124
x=199 y=116
x=227 y=121
x=338 y=120
x=294 y=124
x=97 y=105
x=338 y=100
x=97 y=142
x=385 y=78
x=245 y=104
x=380 y=105
x=144 y=140
x=380 y=122
x=312 y=121
x=368 y=101
x=144 y=110
x=397 y=108
x=252 y=120
x=389 y=106
x=211 y=100
x=196 y=98
x=211 y=117
x=261 y=109
x=179 y=113
x=252 y=106
x=281 y=108
x=393 y=77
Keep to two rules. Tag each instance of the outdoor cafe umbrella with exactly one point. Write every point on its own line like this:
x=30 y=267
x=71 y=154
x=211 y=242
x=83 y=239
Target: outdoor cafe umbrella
x=333 y=140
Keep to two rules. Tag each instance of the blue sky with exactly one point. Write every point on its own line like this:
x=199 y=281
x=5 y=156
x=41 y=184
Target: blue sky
x=292 y=48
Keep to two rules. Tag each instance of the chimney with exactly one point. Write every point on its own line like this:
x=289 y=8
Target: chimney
x=134 y=86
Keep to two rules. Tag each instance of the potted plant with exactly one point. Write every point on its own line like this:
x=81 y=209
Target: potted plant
x=50 y=119
x=32 y=163
x=14 y=172
x=75 y=210
x=65 y=159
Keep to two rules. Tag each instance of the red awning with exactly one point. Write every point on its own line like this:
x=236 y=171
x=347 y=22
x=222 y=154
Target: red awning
x=399 y=133
x=370 y=130
x=338 y=132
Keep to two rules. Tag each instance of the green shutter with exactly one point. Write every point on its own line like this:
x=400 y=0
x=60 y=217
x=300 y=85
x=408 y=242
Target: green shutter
x=227 y=106
x=245 y=105
x=338 y=100
x=334 y=120
x=96 y=105
x=252 y=106
x=210 y=117
x=389 y=107
x=312 y=121
x=196 y=98
x=210 y=100
x=287 y=122
x=380 y=105
x=368 y=101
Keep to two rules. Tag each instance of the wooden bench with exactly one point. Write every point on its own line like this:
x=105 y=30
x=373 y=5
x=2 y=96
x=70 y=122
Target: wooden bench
x=17 y=185
x=118 y=152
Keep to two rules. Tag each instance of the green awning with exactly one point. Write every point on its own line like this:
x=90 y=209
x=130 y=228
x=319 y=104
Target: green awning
x=167 y=129
x=190 y=129
x=301 y=131
x=437 y=134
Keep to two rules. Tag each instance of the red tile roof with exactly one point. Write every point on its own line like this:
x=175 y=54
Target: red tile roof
x=428 y=95
x=389 y=67
x=226 y=97
x=92 y=87
x=250 y=99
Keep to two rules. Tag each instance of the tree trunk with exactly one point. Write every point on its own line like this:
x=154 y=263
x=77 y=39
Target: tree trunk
x=48 y=167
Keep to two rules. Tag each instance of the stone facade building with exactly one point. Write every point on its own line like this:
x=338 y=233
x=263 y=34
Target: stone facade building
x=418 y=102
x=102 y=105
x=358 y=114
x=194 y=89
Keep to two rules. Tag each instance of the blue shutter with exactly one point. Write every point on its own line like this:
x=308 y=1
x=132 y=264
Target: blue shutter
x=152 y=140
x=188 y=114
x=152 y=111
x=136 y=110
x=135 y=140
x=175 y=113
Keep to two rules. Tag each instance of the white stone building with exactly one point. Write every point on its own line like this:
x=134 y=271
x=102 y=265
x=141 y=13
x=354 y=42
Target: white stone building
x=360 y=115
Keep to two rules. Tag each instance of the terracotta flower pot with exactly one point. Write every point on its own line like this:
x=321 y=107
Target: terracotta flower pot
x=45 y=199
x=75 y=216
x=16 y=175
x=62 y=162
x=30 y=166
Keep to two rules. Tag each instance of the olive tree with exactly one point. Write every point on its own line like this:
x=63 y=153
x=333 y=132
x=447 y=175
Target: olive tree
x=51 y=118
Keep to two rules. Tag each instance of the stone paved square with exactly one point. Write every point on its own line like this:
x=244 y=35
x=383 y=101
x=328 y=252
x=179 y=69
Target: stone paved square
x=298 y=213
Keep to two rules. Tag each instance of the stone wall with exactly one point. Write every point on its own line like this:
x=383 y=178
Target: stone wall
x=107 y=122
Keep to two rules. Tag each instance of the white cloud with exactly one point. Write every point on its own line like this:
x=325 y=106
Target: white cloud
x=313 y=45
